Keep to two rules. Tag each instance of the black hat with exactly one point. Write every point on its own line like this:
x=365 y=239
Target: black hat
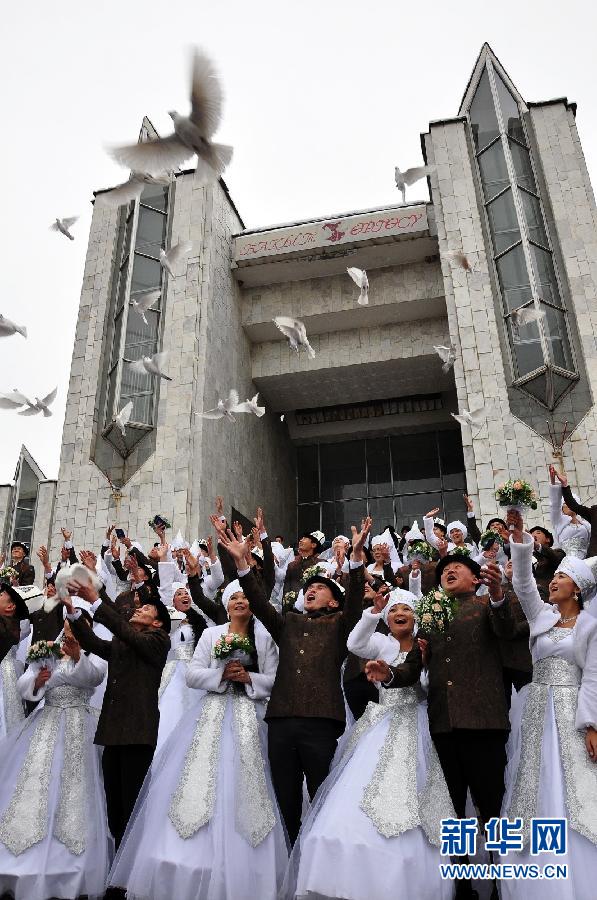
x=456 y=557
x=22 y=611
x=162 y=611
x=544 y=531
x=337 y=591
x=318 y=538
x=496 y=519
x=20 y=544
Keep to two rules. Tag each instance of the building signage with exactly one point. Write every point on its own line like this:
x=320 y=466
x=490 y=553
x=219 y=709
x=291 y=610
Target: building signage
x=315 y=235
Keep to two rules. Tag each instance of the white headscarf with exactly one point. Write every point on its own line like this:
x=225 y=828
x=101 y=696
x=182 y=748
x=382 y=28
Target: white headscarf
x=582 y=573
x=399 y=595
x=386 y=538
x=233 y=588
x=460 y=526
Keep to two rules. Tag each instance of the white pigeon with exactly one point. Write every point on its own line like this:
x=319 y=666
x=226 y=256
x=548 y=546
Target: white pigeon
x=130 y=190
x=525 y=316
x=473 y=419
x=191 y=134
x=359 y=276
x=123 y=417
x=296 y=333
x=13 y=400
x=447 y=356
x=225 y=408
x=144 y=301
x=458 y=258
x=171 y=259
x=250 y=406
x=150 y=365
x=410 y=176
x=8 y=327
x=64 y=226
x=40 y=406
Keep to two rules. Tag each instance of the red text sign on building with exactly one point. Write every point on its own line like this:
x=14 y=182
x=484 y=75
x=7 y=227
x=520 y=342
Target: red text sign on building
x=314 y=235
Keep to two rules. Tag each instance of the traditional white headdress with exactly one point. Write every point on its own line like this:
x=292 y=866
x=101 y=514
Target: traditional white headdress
x=460 y=526
x=398 y=595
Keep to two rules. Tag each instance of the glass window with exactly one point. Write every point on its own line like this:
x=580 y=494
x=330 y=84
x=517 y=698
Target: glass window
x=537 y=387
x=414 y=506
x=503 y=221
x=379 y=475
x=510 y=111
x=381 y=510
x=514 y=278
x=307 y=466
x=484 y=122
x=147 y=274
x=137 y=332
x=546 y=276
x=560 y=385
x=343 y=470
x=151 y=232
x=337 y=518
x=156 y=196
x=522 y=166
x=533 y=217
x=494 y=173
x=308 y=519
x=555 y=327
x=526 y=345
x=451 y=460
x=416 y=463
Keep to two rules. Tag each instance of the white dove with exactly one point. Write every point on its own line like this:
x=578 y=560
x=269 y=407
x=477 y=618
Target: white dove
x=525 y=315
x=447 y=356
x=359 y=276
x=40 y=406
x=296 y=333
x=130 y=190
x=225 y=408
x=123 y=417
x=171 y=259
x=13 y=400
x=410 y=176
x=144 y=301
x=250 y=406
x=8 y=327
x=473 y=419
x=150 y=365
x=460 y=259
x=191 y=134
x=63 y=226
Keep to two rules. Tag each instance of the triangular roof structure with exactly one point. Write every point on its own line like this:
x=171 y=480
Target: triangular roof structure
x=25 y=455
x=487 y=53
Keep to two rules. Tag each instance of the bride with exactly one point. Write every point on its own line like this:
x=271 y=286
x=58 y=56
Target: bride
x=206 y=825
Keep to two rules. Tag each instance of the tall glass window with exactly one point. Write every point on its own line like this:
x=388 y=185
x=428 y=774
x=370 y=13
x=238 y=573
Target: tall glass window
x=393 y=479
x=143 y=229
x=533 y=309
x=26 y=500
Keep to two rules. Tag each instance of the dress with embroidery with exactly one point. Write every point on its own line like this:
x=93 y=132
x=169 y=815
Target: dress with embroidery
x=54 y=839
x=549 y=772
x=12 y=711
x=374 y=827
x=206 y=825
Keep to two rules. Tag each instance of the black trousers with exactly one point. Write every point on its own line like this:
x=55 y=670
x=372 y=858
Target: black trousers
x=124 y=768
x=299 y=747
x=474 y=760
x=359 y=692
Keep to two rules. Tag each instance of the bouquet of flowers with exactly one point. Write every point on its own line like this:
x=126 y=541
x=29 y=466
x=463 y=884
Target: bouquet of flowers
x=289 y=599
x=228 y=643
x=462 y=550
x=7 y=573
x=317 y=569
x=436 y=610
x=516 y=494
x=44 y=652
x=163 y=521
x=489 y=538
x=420 y=550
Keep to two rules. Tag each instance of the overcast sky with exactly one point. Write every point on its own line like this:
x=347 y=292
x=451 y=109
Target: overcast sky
x=323 y=98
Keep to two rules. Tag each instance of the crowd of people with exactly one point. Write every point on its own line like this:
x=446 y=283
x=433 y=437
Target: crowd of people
x=234 y=720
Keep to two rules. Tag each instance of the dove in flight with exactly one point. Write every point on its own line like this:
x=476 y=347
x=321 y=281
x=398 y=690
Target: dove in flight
x=13 y=400
x=359 y=276
x=447 y=356
x=250 y=406
x=150 y=365
x=64 y=226
x=192 y=134
x=525 y=316
x=225 y=408
x=130 y=190
x=460 y=259
x=123 y=417
x=144 y=301
x=410 y=176
x=40 y=406
x=296 y=333
x=8 y=327
x=473 y=419
x=171 y=259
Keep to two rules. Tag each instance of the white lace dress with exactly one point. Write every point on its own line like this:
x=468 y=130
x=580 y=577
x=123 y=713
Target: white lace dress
x=12 y=711
x=54 y=839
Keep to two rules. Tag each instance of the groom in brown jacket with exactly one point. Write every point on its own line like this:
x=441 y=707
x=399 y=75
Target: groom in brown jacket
x=305 y=714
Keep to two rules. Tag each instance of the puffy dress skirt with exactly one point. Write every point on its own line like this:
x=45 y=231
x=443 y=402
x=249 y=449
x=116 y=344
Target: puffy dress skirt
x=175 y=697
x=368 y=833
x=206 y=825
x=54 y=839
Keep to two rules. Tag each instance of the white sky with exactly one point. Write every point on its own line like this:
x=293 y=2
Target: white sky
x=323 y=98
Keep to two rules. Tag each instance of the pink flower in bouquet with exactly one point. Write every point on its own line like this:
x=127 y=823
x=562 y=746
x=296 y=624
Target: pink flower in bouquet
x=517 y=485
x=229 y=638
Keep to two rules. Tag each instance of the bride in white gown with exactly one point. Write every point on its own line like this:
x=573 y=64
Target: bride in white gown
x=375 y=824
x=54 y=838
x=553 y=743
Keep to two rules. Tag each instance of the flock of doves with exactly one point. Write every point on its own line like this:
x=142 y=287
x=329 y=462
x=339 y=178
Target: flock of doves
x=154 y=161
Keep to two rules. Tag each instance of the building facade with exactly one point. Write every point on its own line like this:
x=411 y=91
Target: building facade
x=366 y=425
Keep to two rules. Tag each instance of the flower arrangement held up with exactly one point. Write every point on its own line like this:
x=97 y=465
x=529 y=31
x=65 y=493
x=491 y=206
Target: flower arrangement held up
x=436 y=610
x=7 y=573
x=516 y=494
x=312 y=571
x=229 y=643
x=489 y=539
x=461 y=550
x=46 y=653
x=420 y=550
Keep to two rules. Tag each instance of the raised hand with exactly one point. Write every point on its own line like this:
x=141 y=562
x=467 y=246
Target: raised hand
x=424 y=648
x=562 y=478
x=109 y=531
x=89 y=560
x=515 y=525
x=235 y=548
x=219 y=526
x=339 y=556
x=386 y=552
x=67 y=535
x=377 y=670
x=432 y=513
x=380 y=602
x=359 y=538
x=191 y=562
x=42 y=555
x=442 y=547
x=491 y=575
x=71 y=647
x=469 y=503
x=219 y=506
x=259 y=521
x=40 y=679
x=211 y=552
x=238 y=530
x=84 y=591
x=115 y=548
x=256 y=539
